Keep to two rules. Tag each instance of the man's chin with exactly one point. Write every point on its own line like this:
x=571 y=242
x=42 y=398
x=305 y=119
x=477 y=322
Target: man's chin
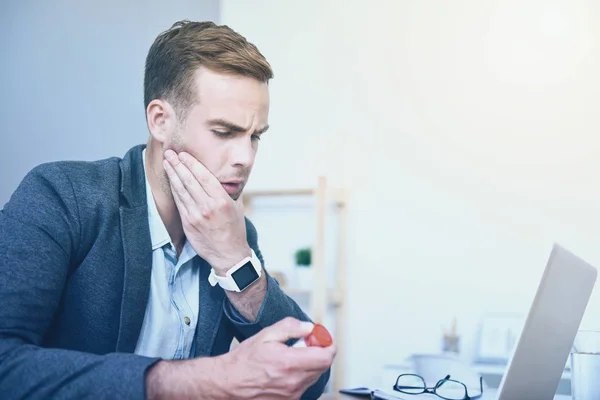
x=236 y=195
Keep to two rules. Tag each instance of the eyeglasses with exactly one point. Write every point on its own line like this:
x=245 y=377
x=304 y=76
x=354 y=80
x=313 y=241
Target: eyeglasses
x=446 y=388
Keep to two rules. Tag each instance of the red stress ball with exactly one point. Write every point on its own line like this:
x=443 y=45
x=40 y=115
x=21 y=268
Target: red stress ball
x=318 y=337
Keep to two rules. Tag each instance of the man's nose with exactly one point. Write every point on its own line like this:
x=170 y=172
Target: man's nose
x=242 y=152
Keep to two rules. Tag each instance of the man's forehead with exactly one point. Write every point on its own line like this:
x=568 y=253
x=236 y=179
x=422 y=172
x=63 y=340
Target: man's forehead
x=213 y=86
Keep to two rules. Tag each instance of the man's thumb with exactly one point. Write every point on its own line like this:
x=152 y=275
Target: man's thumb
x=287 y=328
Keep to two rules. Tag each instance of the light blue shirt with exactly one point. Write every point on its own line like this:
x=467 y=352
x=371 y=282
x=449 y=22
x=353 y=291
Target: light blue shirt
x=172 y=311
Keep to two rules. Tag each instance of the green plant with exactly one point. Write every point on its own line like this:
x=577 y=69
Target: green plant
x=303 y=257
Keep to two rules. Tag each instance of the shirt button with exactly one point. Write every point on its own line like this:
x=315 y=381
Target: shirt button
x=186 y=320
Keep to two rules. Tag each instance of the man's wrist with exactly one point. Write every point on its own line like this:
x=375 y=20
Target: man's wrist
x=224 y=264
x=194 y=378
x=157 y=380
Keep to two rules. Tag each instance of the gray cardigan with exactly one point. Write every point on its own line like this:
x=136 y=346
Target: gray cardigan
x=75 y=262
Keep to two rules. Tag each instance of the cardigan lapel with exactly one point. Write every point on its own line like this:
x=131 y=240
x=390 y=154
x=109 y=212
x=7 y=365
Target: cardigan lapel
x=137 y=250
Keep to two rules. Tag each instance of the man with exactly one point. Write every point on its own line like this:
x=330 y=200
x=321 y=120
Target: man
x=129 y=278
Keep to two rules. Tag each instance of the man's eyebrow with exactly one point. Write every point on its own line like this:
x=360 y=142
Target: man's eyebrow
x=234 y=127
x=263 y=130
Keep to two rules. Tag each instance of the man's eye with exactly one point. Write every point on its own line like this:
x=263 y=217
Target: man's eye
x=221 y=133
x=255 y=137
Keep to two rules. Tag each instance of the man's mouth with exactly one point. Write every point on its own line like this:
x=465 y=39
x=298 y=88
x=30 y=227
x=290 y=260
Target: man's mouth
x=233 y=186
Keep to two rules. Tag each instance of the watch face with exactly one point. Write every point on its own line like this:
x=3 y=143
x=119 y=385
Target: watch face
x=245 y=275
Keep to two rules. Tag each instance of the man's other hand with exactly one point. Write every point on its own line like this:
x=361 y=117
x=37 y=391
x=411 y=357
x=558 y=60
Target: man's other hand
x=261 y=367
x=264 y=367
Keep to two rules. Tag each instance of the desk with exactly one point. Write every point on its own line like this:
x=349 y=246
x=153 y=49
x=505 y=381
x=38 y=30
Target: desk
x=488 y=395
x=491 y=373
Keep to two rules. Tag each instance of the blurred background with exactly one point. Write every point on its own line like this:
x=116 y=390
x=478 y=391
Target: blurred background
x=463 y=133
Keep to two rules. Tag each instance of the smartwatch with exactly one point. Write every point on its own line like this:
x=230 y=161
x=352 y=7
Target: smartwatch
x=240 y=276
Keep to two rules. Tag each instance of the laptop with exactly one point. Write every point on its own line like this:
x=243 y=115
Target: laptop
x=542 y=351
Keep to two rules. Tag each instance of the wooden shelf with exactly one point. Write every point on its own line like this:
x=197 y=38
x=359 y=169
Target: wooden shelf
x=320 y=297
x=334 y=297
x=337 y=196
x=275 y=193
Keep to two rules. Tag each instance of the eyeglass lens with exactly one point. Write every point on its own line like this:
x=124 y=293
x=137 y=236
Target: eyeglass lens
x=446 y=389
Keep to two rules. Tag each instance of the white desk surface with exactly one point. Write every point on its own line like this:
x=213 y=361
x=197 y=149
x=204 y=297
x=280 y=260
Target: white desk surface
x=489 y=394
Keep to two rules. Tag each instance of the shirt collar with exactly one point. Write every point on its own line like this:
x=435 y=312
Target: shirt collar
x=158 y=232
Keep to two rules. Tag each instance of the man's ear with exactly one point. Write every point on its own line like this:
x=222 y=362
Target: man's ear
x=161 y=120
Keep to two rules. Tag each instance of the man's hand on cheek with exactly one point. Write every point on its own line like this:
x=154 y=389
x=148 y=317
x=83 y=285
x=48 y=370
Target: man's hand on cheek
x=212 y=221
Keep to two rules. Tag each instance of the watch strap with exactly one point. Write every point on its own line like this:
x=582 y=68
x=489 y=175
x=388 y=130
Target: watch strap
x=227 y=282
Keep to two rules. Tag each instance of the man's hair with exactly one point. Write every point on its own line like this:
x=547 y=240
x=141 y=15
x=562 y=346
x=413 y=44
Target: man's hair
x=179 y=51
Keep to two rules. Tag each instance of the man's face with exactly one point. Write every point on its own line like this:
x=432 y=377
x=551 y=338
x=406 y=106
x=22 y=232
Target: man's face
x=223 y=127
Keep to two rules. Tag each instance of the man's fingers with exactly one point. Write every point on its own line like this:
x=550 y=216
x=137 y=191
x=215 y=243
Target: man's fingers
x=314 y=359
x=210 y=184
x=287 y=328
x=177 y=188
x=311 y=360
x=188 y=181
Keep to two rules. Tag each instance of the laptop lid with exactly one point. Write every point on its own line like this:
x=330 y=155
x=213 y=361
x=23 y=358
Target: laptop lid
x=543 y=348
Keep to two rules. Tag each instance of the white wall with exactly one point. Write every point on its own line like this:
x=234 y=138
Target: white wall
x=466 y=132
x=71 y=77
